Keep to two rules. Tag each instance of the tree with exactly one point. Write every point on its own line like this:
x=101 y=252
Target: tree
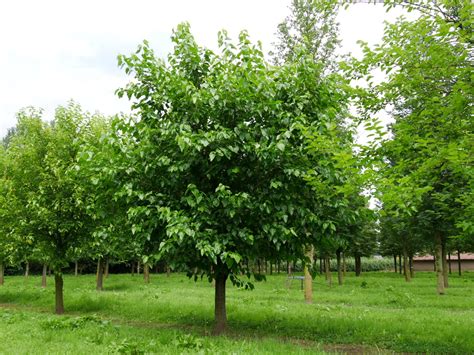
x=45 y=194
x=427 y=167
x=217 y=158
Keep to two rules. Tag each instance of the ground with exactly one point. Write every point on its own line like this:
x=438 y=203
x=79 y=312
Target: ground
x=374 y=313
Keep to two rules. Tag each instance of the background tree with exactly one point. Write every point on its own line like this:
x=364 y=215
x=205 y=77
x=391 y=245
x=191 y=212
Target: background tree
x=427 y=171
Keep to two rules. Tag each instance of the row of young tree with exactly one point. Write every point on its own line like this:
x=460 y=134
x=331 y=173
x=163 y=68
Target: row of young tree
x=228 y=158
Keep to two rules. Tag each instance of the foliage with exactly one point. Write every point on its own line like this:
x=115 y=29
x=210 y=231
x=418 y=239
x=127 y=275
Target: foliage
x=426 y=167
x=218 y=158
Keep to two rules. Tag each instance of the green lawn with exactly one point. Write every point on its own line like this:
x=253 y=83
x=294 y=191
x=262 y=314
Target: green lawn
x=372 y=313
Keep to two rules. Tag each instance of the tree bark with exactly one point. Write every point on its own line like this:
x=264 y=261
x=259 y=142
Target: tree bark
x=308 y=279
x=43 y=275
x=410 y=263
x=358 y=266
x=76 y=268
x=220 y=314
x=449 y=262
x=138 y=267
x=2 y=273
x=444 y=256
x=58 y=286
x=106 y=272
x=327 y=264
x=400 y=264
x=439 y=264
x=395 y=262
x=459 y=262
x=27 y=269
x=344 y=266
x=100 y=275
x=406 y=270
x=339 y=269
x=146 y=273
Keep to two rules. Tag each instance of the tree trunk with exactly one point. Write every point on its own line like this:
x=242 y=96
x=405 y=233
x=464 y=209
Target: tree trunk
x=132 y=269
x=288 y=267
x=400 y=270
x=327 y=264
x=220 y=315
x=271 y=268
x=146 y=273
x=58 y=286
x=100 y=275
x=2 y=273
x=406 y=270
x=344 y=266
x=439 y=264
x=449 y=262
x=339 y=269
x=106 y=272
x=444 y=257
x=410 y=263
x=27 y=269
x=168 y=271
x=76 y=268
x=459 y=262
x=43 y=275
x=358 y=266
x=308 y=279
x=321 y=269
x=395 y=262
x=138 y=267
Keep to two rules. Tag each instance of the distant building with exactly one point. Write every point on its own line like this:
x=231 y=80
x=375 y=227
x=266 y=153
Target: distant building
x=426 y=262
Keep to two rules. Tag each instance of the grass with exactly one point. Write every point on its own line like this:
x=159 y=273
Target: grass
x=377 y=312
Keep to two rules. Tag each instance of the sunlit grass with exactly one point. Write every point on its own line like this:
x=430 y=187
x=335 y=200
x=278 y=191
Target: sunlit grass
x=174 y=314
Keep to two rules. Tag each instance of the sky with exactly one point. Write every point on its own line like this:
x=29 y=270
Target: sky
x=54 y=51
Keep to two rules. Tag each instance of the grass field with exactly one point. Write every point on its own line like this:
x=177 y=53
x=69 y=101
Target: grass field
x=377 y=312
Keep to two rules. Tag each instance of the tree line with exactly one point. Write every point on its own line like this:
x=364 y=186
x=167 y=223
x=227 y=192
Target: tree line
x=229 y=158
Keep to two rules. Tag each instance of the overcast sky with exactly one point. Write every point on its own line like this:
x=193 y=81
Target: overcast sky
x=54 y=51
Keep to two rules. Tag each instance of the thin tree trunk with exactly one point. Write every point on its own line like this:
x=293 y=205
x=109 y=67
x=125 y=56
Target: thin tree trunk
x=106 y=272
x=400 y=269
x=100 y=275
x=344 y=266
x=395 y=262
x=288 y=267
x=168 y=271
x=406 y=270
x=339 y=269
x=358 y=266
x=76 y=268
x=439 y=264
x=43 y=275
x=271 y=268
x=321 y=269
x=278 y=267
x=146 y=273
x=410 y=263
x=444 y=256
x=58 y=287
x=459 y=262
x=220 y=314
x=308 y=279
x=27 y=269
x=2 y=273
x=328 y=270
x=449 y=262
x=132 y=268
x=138 y=267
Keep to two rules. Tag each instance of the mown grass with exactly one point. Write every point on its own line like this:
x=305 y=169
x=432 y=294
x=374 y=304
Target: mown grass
x=174 y=315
